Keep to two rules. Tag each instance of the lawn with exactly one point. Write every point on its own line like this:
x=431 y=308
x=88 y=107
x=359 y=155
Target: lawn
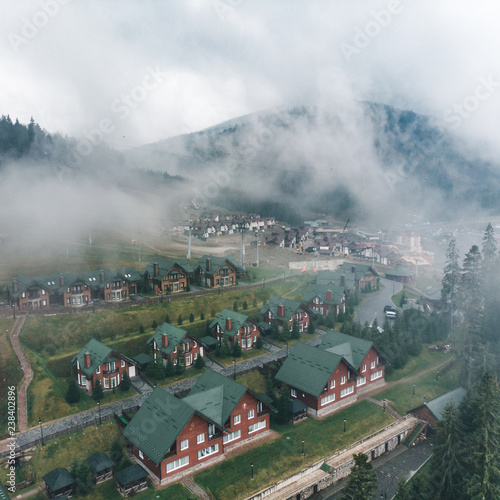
x=399 y=296
x=108 y=491
x=254 y=381
x=426 y=386
x=282 y=457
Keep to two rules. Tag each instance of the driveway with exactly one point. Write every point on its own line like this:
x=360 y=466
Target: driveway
x=373 y=305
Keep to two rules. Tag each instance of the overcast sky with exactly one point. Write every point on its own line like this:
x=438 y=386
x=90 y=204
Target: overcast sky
x=146 y=70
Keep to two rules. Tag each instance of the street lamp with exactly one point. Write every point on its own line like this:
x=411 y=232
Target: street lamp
x=263 y=282
x=286 y=347
x=14 y=310
x=345 y=422
x=41 y=429
x=384 y=405
x=251 y=465
x=99 y=407
x=234 y=369
x=302 y=447
x=414 y=389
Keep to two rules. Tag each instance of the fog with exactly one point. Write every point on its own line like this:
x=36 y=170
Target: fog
x=127 y=76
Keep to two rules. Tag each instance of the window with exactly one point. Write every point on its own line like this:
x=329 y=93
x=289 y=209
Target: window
x=67 y=301
x=232 y=436
x=177 y=464
x=342 y=380
x=376 y=375
x=211 y=430
x=184 y=444
x=372 y=365
x=98 y=369
x=360 y=381
x=363 y=369
x=259 y=407
x=44 y=302
x=43 y=291
x=210 y=450
x=106 y=383
x=141 y=454
x=327 y=399
x=122 y=364
x=236 y=419
x=293 y=393
x=250 y=414
x=256 y=427
x=84 y=380
x=243 y=343
x=200 y=438
x=332 y=384
x=346 y=391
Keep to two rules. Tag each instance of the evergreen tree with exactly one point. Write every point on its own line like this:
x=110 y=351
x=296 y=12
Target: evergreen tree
x=179 y=367
x=259 y=343
x=84 y=482
x=237 y=352
x=295 y=330
x=362 y=481
x=283 y=415
x=202 y=316
x=489 y=246
x=235 y=306
x=154 y=326
x=199 y=363
x=73 y=393
x=191 y=318
x=125 y=384
x=141 y=329
x=116 y=451
x=179 y=320
x=97 y=393
x=169 y=368
x=284 y=334
x=270 y=387
x=275 y=332
x=447 y=462
x=402 y=491
x=226 y=348
x=167 y=319
x=330 y=317
x=311 y=328
x=245 y=305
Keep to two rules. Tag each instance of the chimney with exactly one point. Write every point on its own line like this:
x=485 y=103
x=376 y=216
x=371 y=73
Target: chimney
x=342 y=280
x=86 y=358
x=353 y=269
x=228 y=324
x=164 y=340
x=14 y=285
x=329 y=295
x=208 y=265
x=61 y=279
x=155 y=269
x=101 y=276
x=281 y=311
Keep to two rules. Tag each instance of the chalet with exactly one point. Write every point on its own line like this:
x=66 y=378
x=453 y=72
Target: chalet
x=172 y=342
x=400 y=274
x=236 y=327
x=431 y=299
x=346 y=280
x=164 y=276
x=171 y=435
x=59 y=482
x=360 y=353
x=214 y=272
x=71 y=289
x=131 y=480
x=97 y=361
x=364 y=275
x=285 y=312
x=322 y=380
x=433 y=411
x=101 y=467
x=321 y=299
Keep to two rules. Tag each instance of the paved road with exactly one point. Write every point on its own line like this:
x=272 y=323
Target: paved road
x=373 y=306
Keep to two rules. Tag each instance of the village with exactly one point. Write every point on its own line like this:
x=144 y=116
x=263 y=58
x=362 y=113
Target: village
x=314 y=369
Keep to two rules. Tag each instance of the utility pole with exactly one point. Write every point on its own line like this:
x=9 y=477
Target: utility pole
x=242 y=228
x=189 y=240
x=258 y=243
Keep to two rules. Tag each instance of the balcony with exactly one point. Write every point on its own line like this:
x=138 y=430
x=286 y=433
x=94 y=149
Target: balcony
x=215 y=436
x=110 y=372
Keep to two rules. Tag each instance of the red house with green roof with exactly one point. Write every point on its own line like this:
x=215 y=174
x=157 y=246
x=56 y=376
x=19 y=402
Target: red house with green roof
x=362 y=354
x=238 y=328
x=214 y=272
x=171 y=341
x=285 y=312
x=169 y=435
x=322 y=298
x=97 y=361
x=166 y=276
x=322 y=380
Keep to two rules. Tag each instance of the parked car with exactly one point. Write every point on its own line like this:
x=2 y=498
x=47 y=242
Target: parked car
x=390 y=308
x=390 y=314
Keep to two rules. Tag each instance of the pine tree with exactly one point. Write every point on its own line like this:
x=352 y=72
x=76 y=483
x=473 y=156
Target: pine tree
x=73 y=393
x=84 y=482
x=245 y=305
x=295 y=330
x=191 y=318
x=275 y=332
x=283 y=414
x=362 y=481
x=154 y=326
x=97 y=393
x=125 y=384
x=167 y=318
x=179 y=367
x=235 y=306
x=447 y=462
x=489 y=245
x=169 y=368
x=141 y=329
x=199 y=363
x=237 y=352
x=311 y=328
x=259 y=343
x=202 y=316
x=179 y=320
x=226 y=348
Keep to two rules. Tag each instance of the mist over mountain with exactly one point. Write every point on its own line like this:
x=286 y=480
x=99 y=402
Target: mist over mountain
x=370 y=162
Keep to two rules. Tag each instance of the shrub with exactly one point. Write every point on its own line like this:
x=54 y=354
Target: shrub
x=199 y=363
x=73 y=394
x=237 y=352
x=259 y=342
x=202 y=316
x=167 y=319
x=191 y=318
x=97 y=393
x=154 y=326
x=235 y=306
x=141 y=329
x=126 y=384
x=245 y=305
x=179 y=320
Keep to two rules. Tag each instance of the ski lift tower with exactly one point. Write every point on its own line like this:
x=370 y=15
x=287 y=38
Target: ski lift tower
x=190 y=222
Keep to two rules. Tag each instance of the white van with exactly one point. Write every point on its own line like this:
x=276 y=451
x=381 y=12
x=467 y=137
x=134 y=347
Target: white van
x=390 y=314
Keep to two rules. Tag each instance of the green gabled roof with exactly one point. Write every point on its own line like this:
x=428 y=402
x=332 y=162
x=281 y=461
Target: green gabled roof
x=352 y=348
x=99 y=461
x=320 y=291
x=237 y=321
x=130 y=474
x=399 y=272
x=160 y=419
x=58 y=478
x=216 y=396
x=208 y=341
x=361 y=269
x=175 y=336
x=3 y=493
x=327 y=277
x=308 y=368
x=164 y=266
x=215 y=263
x=272 y=304
x=437 y=406
x=99 y=353
x=432 y=294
